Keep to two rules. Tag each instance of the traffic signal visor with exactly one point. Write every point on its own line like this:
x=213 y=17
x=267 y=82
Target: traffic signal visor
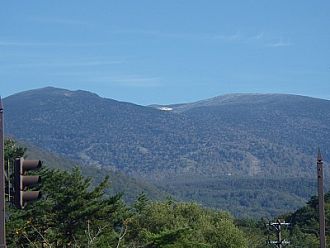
x=22 y=181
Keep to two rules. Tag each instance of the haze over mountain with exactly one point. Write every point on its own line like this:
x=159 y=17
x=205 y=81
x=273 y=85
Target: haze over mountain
x=223 y=138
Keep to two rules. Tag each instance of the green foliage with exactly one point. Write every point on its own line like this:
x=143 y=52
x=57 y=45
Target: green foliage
x=73 y=213
x=303 y=231
x=68 y=214
x=255 y=230
x=12 y=150
x=236 y=135
x=172 y=224
x=120 y=183
x=300 y=238
x=244 y=197
x=306 y=223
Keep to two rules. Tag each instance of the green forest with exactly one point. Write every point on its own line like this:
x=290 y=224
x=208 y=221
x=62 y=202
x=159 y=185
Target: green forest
x=250 y=155
x=74 y=212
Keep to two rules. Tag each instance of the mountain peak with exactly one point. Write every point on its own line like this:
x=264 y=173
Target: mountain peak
x=53 y=91
x=230 y=137
x=241 y=99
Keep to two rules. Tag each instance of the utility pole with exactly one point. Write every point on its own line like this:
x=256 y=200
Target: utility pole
x=280 y=243
x=321 y=198
x=2 y=182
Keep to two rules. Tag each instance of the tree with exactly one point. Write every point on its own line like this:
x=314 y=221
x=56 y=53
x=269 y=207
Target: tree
x=173 y=224
x=12 y=150
x=73 y=213
x=70 y=213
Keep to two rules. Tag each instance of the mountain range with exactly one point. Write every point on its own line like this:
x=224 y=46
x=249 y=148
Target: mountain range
x=226 y=140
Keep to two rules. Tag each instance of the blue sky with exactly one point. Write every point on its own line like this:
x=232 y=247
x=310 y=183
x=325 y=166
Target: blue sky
x=157 y=51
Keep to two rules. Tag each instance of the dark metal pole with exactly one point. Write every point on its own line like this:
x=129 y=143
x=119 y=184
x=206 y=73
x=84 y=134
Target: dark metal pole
x=280 y=243
x=321 y=199
x=2 y=183
x=279 y=234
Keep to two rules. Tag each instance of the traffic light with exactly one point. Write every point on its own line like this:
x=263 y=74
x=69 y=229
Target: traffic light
x=23 y=181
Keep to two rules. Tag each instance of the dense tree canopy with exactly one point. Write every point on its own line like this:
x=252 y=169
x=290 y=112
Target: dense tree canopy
x=75 y=213
x=72 y=213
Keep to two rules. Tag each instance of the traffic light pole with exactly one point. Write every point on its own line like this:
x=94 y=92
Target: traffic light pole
x=2 y=183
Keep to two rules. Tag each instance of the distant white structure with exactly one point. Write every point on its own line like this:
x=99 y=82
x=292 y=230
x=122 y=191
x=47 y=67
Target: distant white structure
x=165 y=108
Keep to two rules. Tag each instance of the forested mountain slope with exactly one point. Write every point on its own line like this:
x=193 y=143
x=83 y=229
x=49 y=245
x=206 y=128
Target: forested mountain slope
x=273 y=134
x=119 y=183
x=230 y=141
x=236 y=134
x=81 y=125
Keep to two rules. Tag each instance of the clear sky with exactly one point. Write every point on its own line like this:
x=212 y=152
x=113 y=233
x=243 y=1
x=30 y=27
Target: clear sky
x=166 y=51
